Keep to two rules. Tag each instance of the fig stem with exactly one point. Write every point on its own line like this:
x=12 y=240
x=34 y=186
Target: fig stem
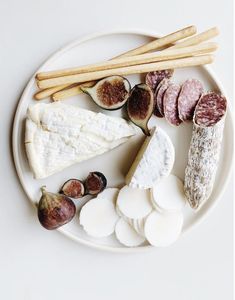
x=43 y=189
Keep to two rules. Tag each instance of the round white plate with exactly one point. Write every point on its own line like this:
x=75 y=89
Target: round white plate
x=117 y=162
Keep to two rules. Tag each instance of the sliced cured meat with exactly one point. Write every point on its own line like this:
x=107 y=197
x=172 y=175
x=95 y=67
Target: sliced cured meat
x=153 y=79
x=190 y=93
x=170 y=104
x=159 y=94
x=210 y=109
x=204 y=150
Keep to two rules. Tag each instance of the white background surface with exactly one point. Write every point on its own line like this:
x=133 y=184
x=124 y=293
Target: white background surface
x=37 y=264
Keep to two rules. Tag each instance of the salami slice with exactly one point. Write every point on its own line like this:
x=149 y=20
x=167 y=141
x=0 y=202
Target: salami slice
x=190 y=93
x=153 y=79
x=170 y=104
x=204 y=150
x=159 y=93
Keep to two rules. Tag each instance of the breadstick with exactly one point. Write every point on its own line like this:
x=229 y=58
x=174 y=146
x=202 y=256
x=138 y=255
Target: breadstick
x=144 y=68
x=159 y=43
x=137 y=59
x=48 y=92
x=197 y=39
x=156 y=44
x=73 y=91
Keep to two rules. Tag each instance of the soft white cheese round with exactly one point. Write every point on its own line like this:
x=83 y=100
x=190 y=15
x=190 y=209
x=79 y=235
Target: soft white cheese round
x=98 y=216
x=134 y=203
x=127 y=235
x=163 y=229
x=168 y=194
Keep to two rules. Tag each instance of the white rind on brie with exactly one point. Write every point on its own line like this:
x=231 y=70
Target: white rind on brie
x=153 y=162
x=59 y=135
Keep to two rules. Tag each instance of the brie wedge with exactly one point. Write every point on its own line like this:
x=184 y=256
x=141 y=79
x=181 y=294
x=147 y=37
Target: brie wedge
x=59 y=135
x=153 y=162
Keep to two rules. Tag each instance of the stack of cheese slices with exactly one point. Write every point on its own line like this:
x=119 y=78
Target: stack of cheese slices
x=149 y=207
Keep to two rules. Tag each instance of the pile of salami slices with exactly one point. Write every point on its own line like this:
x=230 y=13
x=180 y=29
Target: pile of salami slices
x=174 y=102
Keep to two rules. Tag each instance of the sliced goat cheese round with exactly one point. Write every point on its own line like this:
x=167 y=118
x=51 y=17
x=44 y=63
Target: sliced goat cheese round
x=138 y=225
x=153 y=162
x=168 y=194
x=127 y=235
x=163 y=229
x=98 y=216
x=134 y=203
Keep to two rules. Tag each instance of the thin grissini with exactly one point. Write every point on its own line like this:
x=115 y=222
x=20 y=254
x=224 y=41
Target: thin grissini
x=50 y=91
x=70 y=92
x=197 y=39
x=204 y=150
x=159 y=43
x=134 y=60
x=154 y=45
x=137 y=69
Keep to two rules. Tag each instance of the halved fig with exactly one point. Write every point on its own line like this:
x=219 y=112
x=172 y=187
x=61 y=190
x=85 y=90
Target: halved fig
x=95 y=183
x=109 y=93
x=73 y=188
x=140 y=106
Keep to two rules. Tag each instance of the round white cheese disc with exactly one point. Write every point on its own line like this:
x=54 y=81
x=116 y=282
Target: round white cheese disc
x=134 y=203
x=127 y=235
x=98 y=216
x=168 y=194
x=138 y=225
x=163 y=229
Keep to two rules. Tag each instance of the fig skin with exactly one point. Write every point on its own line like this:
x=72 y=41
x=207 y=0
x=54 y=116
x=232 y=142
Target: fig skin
x=95 y=183
x=140 y=105
x=110 y=93
x=73 y=188
x=55 y=210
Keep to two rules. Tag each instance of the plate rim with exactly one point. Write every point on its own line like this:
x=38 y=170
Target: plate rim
x=57 y=53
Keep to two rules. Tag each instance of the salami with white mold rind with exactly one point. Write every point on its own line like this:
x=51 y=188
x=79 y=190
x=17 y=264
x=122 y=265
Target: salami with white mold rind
x=204 y=151
x=190 y=93
x=153 y=79
x=170 y=104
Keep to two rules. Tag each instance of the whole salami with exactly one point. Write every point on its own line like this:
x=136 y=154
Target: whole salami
x=153 y=79
x=170 y=104
x=204 y=150
x=190 y=93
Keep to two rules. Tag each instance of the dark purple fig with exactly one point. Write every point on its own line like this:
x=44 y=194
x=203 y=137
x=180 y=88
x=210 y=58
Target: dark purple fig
x=95 y=183
x=55 y=210
x=73 y=188
x=109 y=93
x=153 y=79
x=140 y=106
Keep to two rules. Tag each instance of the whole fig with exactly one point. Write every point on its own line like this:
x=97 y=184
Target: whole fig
x=55 y=210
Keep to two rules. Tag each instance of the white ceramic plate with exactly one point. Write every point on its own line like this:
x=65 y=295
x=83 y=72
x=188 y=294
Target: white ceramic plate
x=116 y=163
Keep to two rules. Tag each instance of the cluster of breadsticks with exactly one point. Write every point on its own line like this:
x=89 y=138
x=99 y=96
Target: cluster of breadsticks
x=183 y=48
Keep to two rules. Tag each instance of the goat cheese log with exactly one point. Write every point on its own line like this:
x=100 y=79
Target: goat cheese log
x=204 y=150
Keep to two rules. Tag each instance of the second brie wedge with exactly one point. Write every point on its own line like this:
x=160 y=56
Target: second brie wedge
x=59 y=135
x=153 y=162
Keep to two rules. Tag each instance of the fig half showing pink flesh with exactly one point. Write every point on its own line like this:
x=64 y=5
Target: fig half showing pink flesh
x=55 y=210
x=140 y=106
x=73 y=188
x=95 y=183
x=109 y=93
